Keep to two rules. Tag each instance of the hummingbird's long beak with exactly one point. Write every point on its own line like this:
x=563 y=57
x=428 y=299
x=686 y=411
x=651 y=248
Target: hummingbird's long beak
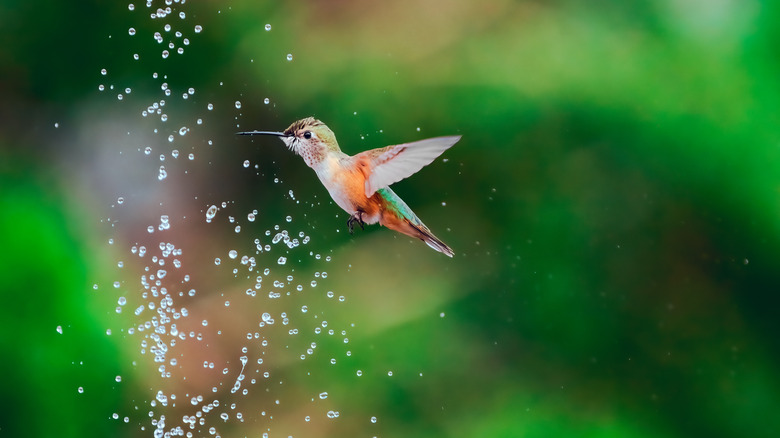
x=276 y=134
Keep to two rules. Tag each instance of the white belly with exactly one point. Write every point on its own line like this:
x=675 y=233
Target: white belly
x=328 y=171
x=341 y=200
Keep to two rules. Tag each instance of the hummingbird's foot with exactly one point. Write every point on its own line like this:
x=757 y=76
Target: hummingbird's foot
x=357 y=217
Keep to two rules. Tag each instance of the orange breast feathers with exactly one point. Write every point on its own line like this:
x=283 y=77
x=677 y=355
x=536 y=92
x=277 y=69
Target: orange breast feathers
x=354 y=183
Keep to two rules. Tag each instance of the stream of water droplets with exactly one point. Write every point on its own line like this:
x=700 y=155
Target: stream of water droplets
x=216 y=356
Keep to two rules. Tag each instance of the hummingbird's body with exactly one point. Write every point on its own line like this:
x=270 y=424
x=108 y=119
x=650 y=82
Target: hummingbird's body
x=359 y=183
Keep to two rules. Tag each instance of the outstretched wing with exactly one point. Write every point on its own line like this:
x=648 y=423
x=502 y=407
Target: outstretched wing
x=394 y=163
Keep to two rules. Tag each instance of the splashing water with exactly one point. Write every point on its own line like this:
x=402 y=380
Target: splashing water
x=218 y=326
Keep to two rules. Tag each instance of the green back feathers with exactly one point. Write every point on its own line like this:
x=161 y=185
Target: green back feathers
x=396 y=204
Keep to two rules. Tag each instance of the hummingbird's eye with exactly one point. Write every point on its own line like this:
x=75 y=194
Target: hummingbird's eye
x=307 y=135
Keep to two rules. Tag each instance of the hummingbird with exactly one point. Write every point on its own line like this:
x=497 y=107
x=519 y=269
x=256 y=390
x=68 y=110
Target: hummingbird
x=359 y=183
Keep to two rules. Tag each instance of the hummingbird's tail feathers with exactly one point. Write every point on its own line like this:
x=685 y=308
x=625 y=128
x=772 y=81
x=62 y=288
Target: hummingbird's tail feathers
x=397 y=216
x=426 y=236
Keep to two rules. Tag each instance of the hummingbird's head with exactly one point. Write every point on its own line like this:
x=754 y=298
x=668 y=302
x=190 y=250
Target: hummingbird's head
x=311 y=139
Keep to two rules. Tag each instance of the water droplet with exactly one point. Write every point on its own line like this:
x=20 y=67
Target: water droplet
x=282 y=260
x=323 y=395
x=103 y=72
x=165 y=54
x=131 y=7
x=211 y=212
x=289 y=57
x=163 y=173
x=81 y=390
x=238 y=104
x=122 y=301
x=246 y=163
x=373 y=419
x=182 y=15
x=191 y=156
x=198 y=28
x=120 y=200
x=118 y=378
x=217 y=261
x=266 y=101
x=101 y=87
x=148 y=150
x=183 y=130
x=267 y=27
x=233 y=253
x=210 y=106
x=59 y=329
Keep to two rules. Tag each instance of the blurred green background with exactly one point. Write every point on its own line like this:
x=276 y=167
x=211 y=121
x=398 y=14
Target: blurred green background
x=613 y=207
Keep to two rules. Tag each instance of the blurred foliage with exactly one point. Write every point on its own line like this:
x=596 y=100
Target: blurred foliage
x=613 y=206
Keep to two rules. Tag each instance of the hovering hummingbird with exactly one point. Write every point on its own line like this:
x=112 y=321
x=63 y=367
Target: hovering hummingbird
x=359 y=183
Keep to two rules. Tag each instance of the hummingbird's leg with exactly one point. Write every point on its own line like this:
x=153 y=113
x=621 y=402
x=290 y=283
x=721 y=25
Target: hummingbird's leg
x=357 y=217
x=360 y=219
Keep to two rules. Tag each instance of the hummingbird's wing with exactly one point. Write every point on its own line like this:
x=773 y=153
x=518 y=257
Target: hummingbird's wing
x=393 y=163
